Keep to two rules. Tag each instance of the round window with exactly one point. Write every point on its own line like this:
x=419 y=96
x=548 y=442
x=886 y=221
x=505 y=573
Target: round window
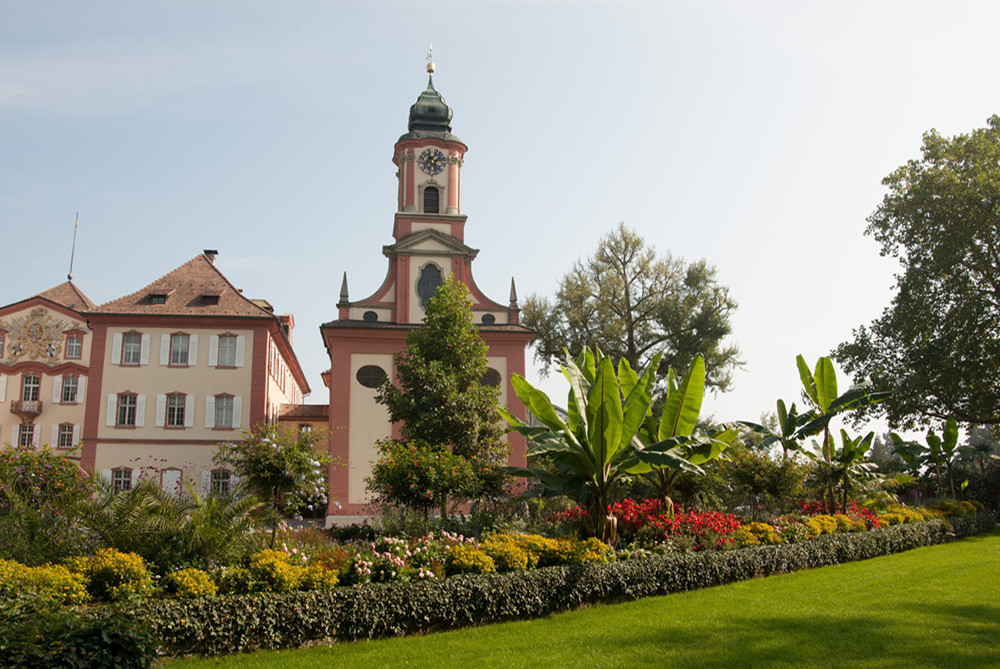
x=489 y=319
x=370 y=376
x=370 y=316
x=490 y=378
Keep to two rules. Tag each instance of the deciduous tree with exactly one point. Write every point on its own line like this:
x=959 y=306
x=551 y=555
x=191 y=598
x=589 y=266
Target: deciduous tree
x=937 y=346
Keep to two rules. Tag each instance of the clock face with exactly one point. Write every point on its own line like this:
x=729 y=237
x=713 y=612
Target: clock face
x=431 y=161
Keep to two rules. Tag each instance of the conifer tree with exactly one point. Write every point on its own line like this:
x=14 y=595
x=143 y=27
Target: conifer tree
x=439 y=396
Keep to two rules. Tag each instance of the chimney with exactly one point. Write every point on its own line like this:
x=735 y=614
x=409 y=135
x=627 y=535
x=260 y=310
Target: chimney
x=210 y=254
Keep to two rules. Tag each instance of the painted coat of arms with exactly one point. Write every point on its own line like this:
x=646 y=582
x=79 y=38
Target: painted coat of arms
x=37 y=336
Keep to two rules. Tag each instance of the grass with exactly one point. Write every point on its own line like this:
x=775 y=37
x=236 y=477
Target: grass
x=931 y=607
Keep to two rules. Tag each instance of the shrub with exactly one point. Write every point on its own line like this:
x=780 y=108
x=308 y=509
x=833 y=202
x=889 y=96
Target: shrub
x=273 y=571
x=506 y=553
x=469 y=560
x=34 y=635
x=591 y=551
x=235 y=581
x=764 y=533
x=49 y=584
x=318 y=578
x=231 y=624
x=113 y=576
x=821 y=524
x=190 y=584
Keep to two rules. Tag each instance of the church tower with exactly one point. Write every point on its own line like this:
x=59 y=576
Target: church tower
x=429 y=234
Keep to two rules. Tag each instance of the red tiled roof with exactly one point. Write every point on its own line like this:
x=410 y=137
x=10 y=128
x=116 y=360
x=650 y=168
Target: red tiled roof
x=304 y=411
x=69 y=296
x=186 y=289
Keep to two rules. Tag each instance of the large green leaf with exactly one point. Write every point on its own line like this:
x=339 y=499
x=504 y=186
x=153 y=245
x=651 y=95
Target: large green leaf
x=576 y=407
x=604 y=413
x=826 y=383
x=538 y=403
x=638 y=400
x=627 y=377
x=681 y=409
x=808 y=382
x=950 y=436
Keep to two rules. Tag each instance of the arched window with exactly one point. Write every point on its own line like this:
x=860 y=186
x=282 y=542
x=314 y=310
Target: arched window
x=430 y=280
x=431 y=198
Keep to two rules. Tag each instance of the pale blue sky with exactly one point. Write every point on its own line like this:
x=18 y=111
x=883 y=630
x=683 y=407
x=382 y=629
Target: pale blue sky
x=753 y=134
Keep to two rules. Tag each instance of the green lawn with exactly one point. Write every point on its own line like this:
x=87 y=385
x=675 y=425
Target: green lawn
x=931 y=607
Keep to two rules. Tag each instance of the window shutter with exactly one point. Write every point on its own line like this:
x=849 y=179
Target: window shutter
x=112 y=406
x=164 y=350
x=13 y=434
x=56 y=389
x=234 y=482
x=144 y=350
x=192 y=350
x=81 y=389
x=237 y=410
x=106 y=476
x=213 y=350
x=210 y=411
x=189 y=411
x=36 y=438
x=116 y=348
x=240 y=348
x=206 y=482
x=135 y=477
x=140 y=411
x=76 y=435
x=3 y=387
x=161 y=411
x=54 y=443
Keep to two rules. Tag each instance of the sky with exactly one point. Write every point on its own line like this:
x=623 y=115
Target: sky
x=752 y=134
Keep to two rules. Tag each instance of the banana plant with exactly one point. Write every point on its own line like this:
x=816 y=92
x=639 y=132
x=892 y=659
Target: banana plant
x=588 y=451
x=671 y=447
x=842 y=468
x=938 y=451
x=789 y=422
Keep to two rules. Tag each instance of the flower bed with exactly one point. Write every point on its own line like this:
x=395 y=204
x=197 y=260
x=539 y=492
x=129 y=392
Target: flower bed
x=233 y=624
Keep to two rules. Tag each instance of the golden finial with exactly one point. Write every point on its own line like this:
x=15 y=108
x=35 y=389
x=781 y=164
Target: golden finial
x=430 y=63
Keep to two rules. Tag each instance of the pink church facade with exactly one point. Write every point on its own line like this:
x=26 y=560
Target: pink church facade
x=429 y=245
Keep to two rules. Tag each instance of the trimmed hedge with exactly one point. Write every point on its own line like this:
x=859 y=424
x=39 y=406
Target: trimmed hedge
x=243 y=623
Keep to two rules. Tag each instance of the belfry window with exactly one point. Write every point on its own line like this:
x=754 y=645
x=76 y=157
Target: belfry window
x=431 y=198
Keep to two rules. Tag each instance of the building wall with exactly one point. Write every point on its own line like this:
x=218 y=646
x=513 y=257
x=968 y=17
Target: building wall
x=57 y=324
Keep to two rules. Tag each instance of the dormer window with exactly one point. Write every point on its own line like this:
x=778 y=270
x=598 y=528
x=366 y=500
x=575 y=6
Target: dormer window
x=431 y=199
x=209 y=300
x=157 y=298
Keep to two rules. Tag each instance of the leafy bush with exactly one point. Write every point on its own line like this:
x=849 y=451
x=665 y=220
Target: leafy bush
x=113 y=576
x=232 y=624
x=40 y=492
x=273 y=571
x=189 y=584
x=318 y=578
x=469 y=560
x=49 y=584
x=235 y=581
x=37 y=636
x=507 y=554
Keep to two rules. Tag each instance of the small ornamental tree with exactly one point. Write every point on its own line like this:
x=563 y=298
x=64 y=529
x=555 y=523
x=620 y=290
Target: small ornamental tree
x=419 y=476
x=281 y=466
x=440 y=400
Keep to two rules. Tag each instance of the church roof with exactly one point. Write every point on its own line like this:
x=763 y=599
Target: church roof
x=430 y=116
x=69 y=296
x=196 y=288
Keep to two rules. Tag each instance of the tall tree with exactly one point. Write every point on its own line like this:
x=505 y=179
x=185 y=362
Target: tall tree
x=937 y=346
x=630 y=303
x=438 y=395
